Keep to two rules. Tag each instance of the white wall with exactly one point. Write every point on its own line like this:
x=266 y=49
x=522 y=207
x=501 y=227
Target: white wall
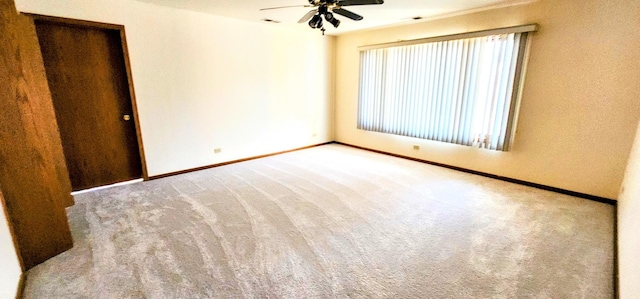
x=629 y=226
x=580 y=104
x=10 y=269
x=205 y=82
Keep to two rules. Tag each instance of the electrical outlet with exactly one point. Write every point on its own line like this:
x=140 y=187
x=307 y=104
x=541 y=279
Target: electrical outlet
x=217 y=150
x=416 y=147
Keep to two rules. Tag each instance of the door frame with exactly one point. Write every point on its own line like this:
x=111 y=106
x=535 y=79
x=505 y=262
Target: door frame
x=127 y=64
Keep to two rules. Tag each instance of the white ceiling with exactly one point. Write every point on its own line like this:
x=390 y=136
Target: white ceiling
x=390 y=13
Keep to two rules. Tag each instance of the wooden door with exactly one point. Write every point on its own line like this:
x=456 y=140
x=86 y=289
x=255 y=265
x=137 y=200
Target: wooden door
x=33 y=175
x=87 y=75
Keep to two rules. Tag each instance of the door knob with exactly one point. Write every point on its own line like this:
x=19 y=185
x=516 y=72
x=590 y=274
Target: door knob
x=126 y=117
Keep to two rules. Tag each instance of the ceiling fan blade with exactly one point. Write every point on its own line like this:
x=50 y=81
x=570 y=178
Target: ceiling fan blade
x=348 y=14
x=358 y=2
x=288 y=6
x=308 y=16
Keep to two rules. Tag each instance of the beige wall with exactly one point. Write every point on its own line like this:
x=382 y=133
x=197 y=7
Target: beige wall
x=580 y=103
x=204 y=82
x=629 y=226
x=10 y=269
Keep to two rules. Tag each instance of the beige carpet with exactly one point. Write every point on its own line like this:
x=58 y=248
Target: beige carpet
x=331 y=222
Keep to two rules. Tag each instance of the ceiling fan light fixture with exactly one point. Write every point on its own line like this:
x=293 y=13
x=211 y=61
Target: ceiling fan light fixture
x=329 y=17
x=315 y=22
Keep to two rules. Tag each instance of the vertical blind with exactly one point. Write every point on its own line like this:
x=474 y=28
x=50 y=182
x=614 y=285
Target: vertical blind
x=460 y=91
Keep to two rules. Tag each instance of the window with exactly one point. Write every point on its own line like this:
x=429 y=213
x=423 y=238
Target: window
x=459 y=89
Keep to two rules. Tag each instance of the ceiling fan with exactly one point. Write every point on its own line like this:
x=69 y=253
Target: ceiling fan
x=326 y=8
